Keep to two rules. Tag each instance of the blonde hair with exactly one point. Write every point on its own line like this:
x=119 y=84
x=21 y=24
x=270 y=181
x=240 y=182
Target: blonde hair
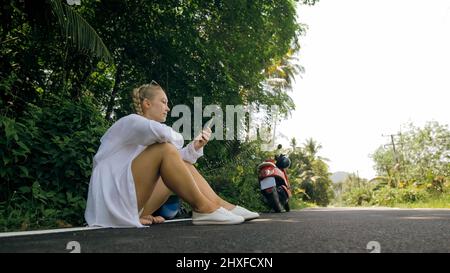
x=145 y=91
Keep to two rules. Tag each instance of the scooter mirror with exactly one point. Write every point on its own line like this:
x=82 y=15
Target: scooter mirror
x=279 y=147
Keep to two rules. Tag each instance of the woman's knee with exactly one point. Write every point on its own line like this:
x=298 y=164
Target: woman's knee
x=165 y=148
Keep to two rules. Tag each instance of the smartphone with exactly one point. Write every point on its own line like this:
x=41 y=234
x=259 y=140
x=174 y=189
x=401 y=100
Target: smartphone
x=208 y=123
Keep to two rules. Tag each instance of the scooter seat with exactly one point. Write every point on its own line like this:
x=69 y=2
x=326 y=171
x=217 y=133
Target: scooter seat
x=264 y=164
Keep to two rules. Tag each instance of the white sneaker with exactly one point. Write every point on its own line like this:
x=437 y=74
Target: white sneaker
x=220 y=216
x=248 y=215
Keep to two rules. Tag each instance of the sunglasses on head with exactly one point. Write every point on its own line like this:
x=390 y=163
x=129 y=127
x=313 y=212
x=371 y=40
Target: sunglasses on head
x=153 y=82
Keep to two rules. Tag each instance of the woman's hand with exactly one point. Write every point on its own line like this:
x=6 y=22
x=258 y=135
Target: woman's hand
x=202 y=139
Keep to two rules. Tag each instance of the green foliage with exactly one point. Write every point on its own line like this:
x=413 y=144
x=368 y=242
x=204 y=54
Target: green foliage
x=36 y=61
x=422 y=154
x=76 y=29
x=236 y=177
x=213 y=49
x=47 y=161
x=388 y=196
x=358 y=197
x=309 y=174
x=227 y=52
x=418 y=170
x=355 y=191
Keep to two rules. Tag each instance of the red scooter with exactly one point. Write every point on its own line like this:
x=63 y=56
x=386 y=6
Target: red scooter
x=274 y=182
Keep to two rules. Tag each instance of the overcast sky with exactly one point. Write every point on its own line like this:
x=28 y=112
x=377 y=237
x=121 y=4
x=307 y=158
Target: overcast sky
x=371 y=67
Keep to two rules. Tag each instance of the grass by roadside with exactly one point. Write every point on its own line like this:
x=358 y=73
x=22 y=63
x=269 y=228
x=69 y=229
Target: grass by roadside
x=434 y=202
x=300 y=204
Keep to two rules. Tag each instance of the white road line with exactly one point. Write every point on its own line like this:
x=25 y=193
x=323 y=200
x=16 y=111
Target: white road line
x=61 y=230
x=178 y=220
x=47 y=231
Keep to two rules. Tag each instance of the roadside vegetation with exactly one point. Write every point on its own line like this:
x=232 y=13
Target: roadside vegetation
x=67 y=72
x=416 y=174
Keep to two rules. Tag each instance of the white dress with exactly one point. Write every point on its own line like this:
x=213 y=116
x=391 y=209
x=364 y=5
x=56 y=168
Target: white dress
x=112 y=196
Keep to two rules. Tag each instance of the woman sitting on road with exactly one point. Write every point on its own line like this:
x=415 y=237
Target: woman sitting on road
x=140 y=163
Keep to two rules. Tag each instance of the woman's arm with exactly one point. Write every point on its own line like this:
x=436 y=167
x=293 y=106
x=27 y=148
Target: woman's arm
x=142 y=131
x=190 y=154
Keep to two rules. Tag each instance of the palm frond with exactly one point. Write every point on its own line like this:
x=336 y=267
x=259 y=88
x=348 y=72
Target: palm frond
x=58 y=10
x=79 y=31
x=281 y=74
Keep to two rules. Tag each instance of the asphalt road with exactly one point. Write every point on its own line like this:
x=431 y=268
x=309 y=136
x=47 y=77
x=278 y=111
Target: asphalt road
x=324 y=230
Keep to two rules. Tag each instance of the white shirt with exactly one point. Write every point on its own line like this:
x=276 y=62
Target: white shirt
x=112 y=196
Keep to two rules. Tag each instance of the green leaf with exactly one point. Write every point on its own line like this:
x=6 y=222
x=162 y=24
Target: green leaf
x=24 y=171
x=24 y=189
x=10 y=130
x=79 y=31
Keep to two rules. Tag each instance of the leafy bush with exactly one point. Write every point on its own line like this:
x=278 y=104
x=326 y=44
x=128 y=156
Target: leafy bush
x=309 y=175
x=47 y=161
x=411 y=194
x=355 y=191
x=385 y=196
x=357 y=197
x=388 y=196
x=235 y=179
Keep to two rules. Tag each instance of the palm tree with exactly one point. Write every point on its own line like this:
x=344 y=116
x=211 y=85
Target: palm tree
x=77 y=30
x=281 y=75
x=293 y=144
x=74 y=28
x=312 y=147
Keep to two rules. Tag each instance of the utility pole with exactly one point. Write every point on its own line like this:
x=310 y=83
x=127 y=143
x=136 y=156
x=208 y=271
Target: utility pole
x=393 y=146
x=396 y=157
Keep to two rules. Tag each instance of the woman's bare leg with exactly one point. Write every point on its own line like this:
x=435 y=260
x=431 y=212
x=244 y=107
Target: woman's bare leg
x=163 y=159
x=158 y=197
x=161 y=193
x=206 y=189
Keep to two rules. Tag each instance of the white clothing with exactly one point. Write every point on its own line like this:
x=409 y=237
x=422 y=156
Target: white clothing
x=112 y=196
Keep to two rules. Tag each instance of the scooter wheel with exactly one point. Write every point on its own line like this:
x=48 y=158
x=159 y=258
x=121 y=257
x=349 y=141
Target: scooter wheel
x=273 y=200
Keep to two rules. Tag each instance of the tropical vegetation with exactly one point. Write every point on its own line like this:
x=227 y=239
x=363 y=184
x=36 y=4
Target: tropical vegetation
x=67 y=69
x=412 y=171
